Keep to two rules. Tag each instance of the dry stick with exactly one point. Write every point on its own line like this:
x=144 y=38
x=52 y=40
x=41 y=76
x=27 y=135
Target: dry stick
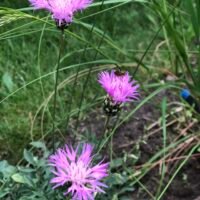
x=184 y=131
x=183 y=146
x=187 y=144
x=177 y=171
x=153 y=165
x=168 y=156
x=179 y=153
x=180 y=149
x=61 y=46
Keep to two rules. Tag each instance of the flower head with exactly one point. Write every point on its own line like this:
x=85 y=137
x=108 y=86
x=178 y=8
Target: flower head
x=62 y=10
x=119 y=86
x=75 y=169
x=39 y=4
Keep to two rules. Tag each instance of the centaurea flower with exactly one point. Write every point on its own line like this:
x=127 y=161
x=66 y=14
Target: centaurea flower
x=62 y=10
x=75 y=170
x=119 y=86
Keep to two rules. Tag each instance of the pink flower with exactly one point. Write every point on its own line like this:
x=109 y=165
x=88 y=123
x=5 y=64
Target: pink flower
x=119 y=86
x=40 y=4
x=62 y=10
x=75 y=169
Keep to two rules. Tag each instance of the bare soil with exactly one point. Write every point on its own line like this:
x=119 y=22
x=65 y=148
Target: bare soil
x=186 y=185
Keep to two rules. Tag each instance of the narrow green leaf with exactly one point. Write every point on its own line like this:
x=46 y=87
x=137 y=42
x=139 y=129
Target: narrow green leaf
x=190 y=6
x=7 y=81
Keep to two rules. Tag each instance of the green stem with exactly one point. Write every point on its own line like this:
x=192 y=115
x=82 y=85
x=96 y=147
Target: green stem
x=86 y=82
x=111 y=149
x=111 y=139
x=76 y=77
x=61 y=45
x=106 y=126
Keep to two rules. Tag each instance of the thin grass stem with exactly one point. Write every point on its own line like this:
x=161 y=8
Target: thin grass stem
x=153 y=39
x=89 y=73
x=77 y=72
x=163 y=167
x=61 y=46
x=178 y=169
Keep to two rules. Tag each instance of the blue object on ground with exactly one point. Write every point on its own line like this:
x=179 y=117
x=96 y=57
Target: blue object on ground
x=185 y=93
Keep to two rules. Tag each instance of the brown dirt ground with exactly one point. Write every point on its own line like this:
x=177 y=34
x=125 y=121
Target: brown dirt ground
x=186 y=185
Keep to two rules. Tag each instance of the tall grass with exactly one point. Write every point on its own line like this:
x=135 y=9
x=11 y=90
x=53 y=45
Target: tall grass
x=148 y=38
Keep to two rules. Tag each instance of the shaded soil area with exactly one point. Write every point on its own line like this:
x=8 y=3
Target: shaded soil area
x=142 y=135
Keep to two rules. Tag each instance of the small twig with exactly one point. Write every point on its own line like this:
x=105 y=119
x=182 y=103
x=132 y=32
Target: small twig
x=153 y=165
x=184 y=131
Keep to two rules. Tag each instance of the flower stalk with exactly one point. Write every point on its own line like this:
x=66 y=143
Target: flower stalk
x=61 y=47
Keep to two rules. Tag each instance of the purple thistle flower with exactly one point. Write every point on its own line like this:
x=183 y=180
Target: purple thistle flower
x=62 y=10
x=75 y=169
x=39 y=4
x=119 y=86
